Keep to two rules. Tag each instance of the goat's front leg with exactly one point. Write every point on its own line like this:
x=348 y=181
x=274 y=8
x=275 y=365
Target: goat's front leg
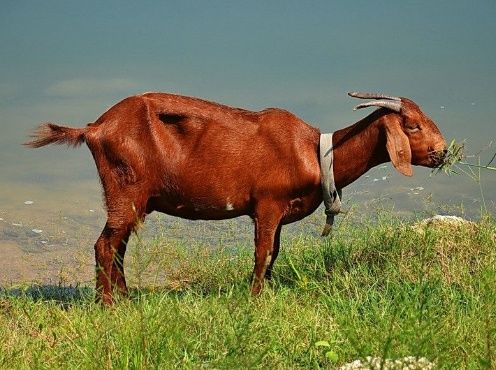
x=275 y=252
x=267 y=224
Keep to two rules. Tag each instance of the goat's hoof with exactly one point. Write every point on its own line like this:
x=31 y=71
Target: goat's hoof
x=256 y=289
x=104 y=299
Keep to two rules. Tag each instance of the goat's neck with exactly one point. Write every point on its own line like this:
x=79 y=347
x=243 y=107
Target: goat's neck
x=358 y=148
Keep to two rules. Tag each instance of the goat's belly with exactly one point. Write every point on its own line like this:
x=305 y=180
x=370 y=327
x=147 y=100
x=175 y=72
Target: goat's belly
x=198 y=209
x=301 y=207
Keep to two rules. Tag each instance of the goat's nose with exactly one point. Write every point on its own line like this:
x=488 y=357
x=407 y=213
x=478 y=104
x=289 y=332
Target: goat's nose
x=441 y=154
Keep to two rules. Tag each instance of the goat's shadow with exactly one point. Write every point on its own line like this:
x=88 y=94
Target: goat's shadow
x=65 y=296
x=68 y=296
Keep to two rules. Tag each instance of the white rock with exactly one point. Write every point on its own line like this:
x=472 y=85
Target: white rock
x=446 y=218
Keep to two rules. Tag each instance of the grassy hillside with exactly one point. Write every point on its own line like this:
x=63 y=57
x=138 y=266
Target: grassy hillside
x=382 y=289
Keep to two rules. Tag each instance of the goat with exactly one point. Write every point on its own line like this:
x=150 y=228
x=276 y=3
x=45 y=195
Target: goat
x=197 y=159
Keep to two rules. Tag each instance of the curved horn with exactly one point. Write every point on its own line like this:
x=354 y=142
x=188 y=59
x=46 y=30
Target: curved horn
x=361 y=95
x=389 y=104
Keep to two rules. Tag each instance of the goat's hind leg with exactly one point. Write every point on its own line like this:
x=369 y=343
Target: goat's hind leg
x=117 y=278
x=110 y=249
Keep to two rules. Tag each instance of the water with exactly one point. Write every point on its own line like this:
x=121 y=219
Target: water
x=68 y=64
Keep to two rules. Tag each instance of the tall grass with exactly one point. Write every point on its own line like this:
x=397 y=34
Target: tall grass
x=383 y=289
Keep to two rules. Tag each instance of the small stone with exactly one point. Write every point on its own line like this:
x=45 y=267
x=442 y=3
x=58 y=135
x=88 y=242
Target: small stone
x=28 y=202
x=37 y=231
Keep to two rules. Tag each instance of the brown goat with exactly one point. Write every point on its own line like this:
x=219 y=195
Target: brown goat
x=200 y=160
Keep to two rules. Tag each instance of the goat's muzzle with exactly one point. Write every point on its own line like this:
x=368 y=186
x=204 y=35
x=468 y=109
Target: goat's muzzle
x=438 y=157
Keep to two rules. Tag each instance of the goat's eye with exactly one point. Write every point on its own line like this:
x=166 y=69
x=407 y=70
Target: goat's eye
x=413 y=128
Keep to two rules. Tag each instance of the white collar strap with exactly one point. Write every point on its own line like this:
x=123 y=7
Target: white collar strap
x=331 y=195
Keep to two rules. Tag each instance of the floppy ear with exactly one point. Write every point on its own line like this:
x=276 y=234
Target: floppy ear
x=398 y=147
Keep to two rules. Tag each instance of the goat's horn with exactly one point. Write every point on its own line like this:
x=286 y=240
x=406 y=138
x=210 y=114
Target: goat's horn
x=361 y=95
x=389 y=104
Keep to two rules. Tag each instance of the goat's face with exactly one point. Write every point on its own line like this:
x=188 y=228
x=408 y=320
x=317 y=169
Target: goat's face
x=427 y=144
x=413 y=138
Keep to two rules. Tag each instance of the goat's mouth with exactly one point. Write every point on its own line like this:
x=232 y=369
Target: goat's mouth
x=446 y=159
x=437 y=158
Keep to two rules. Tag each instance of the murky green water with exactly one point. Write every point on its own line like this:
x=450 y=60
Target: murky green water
x=51 y=210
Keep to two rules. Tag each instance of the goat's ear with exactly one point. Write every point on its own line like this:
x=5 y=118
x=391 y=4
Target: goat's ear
x=398 y=147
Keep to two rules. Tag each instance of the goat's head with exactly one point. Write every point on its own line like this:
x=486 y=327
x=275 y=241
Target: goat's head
x=411 y=136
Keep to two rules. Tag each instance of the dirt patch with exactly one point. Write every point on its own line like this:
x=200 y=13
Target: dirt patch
x=47 y=266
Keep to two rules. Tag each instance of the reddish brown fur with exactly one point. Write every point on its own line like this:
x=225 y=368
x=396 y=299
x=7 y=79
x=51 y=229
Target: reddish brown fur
x=201 y=160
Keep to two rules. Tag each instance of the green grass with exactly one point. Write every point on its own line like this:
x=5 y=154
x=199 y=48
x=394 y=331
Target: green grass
x=381 y=289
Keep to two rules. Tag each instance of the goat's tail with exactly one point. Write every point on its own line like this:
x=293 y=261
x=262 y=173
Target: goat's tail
x=49 y=133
